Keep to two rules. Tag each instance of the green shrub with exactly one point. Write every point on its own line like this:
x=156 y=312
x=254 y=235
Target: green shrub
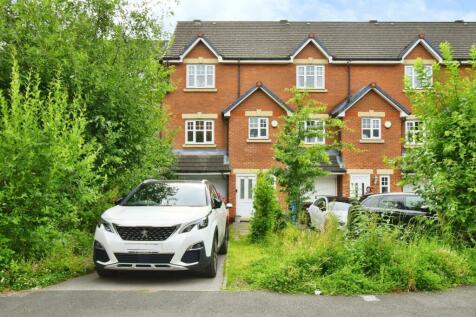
x=266 y=208
x=67 y=257
x=48 y=188
x=381 y=258
x=444 y=166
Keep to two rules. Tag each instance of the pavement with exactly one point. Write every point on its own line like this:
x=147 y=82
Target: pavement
x=51 y=303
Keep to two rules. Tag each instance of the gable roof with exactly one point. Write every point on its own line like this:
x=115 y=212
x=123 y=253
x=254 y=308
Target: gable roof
x=317 y=44
x=252 y=90
x=341 y=108
x=426 y=44
x=356 y=41
x=194 y=42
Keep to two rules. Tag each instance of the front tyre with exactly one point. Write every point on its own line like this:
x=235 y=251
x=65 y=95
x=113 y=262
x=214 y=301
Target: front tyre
x=210 y=270
x=224 y=245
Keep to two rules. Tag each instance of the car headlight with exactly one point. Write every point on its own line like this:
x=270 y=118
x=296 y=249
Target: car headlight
x=201 y=223
x=107 y=225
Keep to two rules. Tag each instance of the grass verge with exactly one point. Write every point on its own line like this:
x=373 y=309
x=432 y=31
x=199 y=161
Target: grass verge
x=377 y=261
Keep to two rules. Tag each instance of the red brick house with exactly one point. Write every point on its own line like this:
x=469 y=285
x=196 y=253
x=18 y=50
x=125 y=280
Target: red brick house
x=231 y=80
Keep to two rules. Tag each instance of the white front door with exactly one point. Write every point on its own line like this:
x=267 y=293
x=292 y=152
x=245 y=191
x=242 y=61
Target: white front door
x=359 y=184
x=245 y=184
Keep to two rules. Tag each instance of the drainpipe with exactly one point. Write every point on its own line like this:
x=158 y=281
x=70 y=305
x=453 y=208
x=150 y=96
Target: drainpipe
x=349 y=79
x=238 y=80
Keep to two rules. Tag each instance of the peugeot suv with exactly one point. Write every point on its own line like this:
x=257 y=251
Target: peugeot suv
x=163 y=225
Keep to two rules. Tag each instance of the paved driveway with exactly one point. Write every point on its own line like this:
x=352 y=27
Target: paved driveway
x=145 y=281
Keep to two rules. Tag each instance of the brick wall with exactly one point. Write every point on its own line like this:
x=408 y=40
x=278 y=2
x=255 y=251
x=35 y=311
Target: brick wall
x=279 y=77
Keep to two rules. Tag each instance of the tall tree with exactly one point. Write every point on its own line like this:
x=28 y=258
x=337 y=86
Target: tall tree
x=444 y=166
x=301 y=161
x=108 y=51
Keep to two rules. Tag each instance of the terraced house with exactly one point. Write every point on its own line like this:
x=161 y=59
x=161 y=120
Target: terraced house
x=230 y=97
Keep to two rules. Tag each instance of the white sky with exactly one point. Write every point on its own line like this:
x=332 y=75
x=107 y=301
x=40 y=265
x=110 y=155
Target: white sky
x=315 y=10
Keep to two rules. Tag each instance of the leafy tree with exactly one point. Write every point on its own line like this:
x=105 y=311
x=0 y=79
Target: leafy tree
x=301 y=162
x=444 y=166
x=47 y=181
x=266 y=208
x=108 y=51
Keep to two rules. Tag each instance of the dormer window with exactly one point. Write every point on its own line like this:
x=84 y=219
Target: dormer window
x=200 y=76
x=310 y=77
x=412 y=75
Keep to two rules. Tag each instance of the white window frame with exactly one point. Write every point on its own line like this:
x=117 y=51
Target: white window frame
x=411 y=133
x=372 y=137
x=314 y=76
x=192 y=73
x=315 y=140
x=387 y=185
x=411 y=73
x=194 y=130
x=260 y=120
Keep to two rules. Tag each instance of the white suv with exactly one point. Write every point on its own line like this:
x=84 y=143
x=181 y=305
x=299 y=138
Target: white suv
x=163 y=225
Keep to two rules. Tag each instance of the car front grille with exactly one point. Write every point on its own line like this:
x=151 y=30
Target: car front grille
x=191 y=256
x=145 y=233
x=144 y=257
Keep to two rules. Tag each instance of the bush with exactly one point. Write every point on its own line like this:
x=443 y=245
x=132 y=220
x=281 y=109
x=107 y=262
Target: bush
x=382 y=258
x=266 y=208
x=444 y=166
x=67 y=257
x=47 y=183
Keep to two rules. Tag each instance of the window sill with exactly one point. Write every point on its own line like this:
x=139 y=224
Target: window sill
x=312 y=144
x=199 y=145
x=370 y=141
x=311 y=90
x=410 y=146
x=258 y=141
x=200 y=90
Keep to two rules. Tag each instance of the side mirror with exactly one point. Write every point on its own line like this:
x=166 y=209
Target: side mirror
x=229 y=206
x=118 y=201
x=216 y=203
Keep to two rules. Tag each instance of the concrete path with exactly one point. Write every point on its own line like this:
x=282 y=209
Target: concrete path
x=145 y=281
x=460 y=302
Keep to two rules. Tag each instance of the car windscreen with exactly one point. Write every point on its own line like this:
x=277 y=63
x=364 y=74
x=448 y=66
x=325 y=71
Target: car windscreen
x=168 y=194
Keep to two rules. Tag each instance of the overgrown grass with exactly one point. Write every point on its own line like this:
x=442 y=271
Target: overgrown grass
x=381 y=259
x=69 y=256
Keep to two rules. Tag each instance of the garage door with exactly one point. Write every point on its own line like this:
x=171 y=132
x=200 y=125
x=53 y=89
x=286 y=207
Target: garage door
x=220 y=182
x=326 y=186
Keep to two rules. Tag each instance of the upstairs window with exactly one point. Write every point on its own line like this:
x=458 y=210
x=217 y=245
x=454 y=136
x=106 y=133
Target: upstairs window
x=258 y=128
x=384 y=184
x=318 y=126
x=199 y=131
x=413 y=132
x=411 y=74
x=310 y=77
x=200 y=76
x=370 y=128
